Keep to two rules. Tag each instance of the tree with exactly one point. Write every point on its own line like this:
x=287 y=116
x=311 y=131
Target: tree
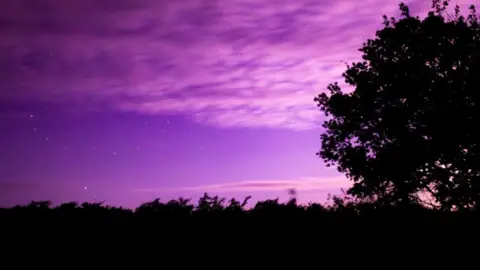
x=411 y=126
x=293 y=196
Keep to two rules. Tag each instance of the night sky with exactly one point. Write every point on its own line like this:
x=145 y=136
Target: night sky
x=129 y=100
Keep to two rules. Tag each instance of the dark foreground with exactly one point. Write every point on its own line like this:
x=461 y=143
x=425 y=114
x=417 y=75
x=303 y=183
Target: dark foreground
x=219 y=232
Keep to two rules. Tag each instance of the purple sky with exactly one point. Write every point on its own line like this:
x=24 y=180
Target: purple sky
x=128 y=100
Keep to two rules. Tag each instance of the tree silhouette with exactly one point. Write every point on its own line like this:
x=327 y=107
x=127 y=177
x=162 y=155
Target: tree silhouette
x=411 y=126
x=166 y=216
x=293 y=195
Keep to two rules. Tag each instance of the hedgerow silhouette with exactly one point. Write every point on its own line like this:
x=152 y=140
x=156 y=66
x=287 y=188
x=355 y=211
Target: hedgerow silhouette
x=216 y=210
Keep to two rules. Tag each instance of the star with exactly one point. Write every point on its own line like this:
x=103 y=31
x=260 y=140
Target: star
x=31 y=115
x=114 y=153
x=85 y=188
x=46 y=138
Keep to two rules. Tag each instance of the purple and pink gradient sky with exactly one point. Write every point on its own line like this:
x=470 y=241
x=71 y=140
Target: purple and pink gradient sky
x=128 y=100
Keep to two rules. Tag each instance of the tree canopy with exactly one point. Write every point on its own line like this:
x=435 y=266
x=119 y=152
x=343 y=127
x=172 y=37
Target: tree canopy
x=409 y=132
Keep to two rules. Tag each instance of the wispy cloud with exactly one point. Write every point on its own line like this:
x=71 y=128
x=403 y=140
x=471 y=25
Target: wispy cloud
x=225 y=63
x=301 y=184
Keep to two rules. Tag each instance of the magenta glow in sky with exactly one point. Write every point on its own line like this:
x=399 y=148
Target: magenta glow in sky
x=128 y=100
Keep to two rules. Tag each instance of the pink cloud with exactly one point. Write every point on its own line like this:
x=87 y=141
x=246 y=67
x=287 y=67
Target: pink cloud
x=246 y=63
x=301 y=184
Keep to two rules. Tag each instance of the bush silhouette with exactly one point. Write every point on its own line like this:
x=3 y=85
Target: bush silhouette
x=215 y=212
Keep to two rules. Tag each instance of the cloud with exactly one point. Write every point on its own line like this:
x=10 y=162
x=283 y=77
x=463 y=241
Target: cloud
x=301 y=184
x=226 y=63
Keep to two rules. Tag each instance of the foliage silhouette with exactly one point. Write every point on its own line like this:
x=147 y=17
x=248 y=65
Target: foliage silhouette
x=341 y=210
x=409 y=132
